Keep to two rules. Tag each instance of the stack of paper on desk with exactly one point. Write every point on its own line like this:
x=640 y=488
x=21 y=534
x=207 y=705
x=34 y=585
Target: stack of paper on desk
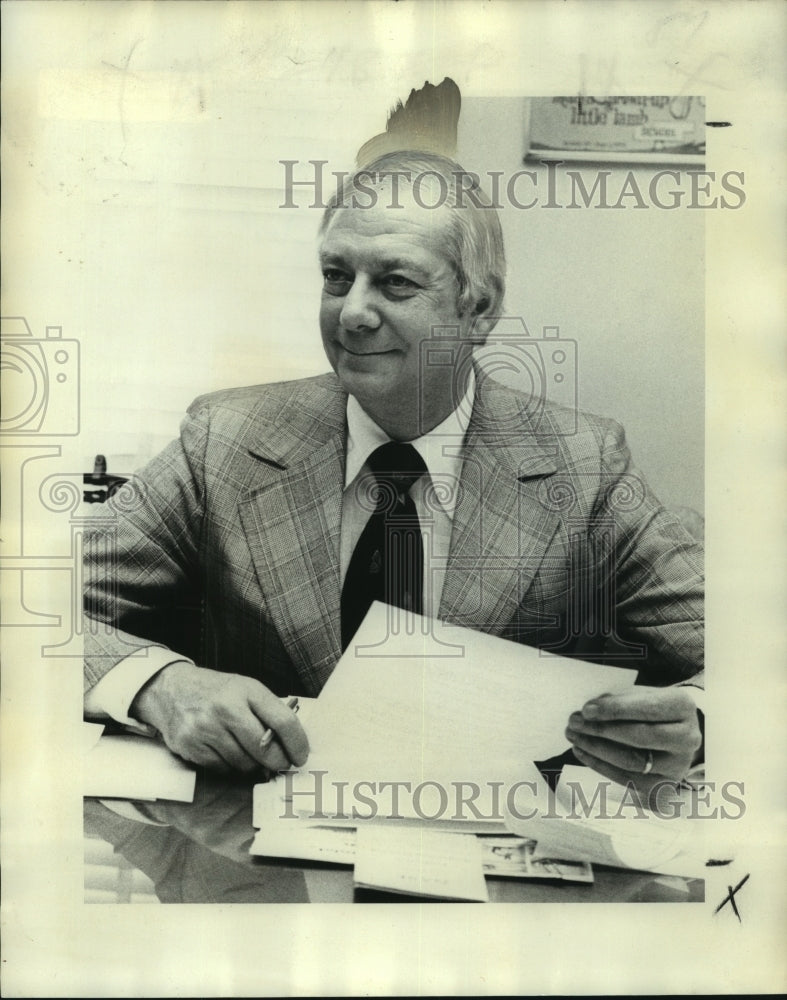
x=133 y=767
x=504 y=856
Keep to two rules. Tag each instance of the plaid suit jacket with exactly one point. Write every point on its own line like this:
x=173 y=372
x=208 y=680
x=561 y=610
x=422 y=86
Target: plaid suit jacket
x=226 y=546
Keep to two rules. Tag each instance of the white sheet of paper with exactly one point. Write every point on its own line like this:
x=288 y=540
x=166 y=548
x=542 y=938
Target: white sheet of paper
x=420 y=862
x=402 y=697
x=136 y=767
x=446 y=703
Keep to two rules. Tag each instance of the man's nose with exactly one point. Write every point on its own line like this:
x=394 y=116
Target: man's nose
x=359 y=311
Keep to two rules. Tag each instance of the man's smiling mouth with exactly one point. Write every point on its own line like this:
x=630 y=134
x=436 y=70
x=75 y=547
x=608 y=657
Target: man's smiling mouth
x=364 y=354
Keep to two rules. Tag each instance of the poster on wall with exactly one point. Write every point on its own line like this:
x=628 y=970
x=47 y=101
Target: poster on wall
x=617 y=129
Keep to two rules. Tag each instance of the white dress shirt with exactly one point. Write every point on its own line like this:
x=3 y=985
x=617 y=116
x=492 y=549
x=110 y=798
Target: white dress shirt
x=434 y=493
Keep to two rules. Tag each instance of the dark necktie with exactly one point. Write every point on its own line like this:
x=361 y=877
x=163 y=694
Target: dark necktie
x=387 y=563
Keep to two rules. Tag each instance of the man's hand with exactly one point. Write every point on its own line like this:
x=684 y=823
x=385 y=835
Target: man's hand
x=218 y=720
x=644 y=736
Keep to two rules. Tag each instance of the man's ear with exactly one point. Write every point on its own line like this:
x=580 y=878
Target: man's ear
x=480 y=329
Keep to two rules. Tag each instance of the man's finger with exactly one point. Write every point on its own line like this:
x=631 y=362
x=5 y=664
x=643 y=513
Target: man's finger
x=624 y=758
x=641 y=705
x=649 y=788
x=229 y=748
x=671 y=736
x=641 y=786
x=250 y=732
x=217 y=750
x=276 y=759
x=202 y=756
x=287 y=729
x=616 y=774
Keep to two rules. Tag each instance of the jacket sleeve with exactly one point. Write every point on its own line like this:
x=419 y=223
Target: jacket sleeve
x=653 y=570
x=141 y=558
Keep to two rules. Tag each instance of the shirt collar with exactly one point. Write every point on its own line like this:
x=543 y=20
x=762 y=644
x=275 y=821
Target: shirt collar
x=439 y=448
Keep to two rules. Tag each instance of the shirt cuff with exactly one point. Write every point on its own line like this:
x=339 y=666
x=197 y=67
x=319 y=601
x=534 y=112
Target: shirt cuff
x=113 y=694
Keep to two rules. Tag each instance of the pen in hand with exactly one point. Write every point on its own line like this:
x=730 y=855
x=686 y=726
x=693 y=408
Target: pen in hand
x=267 y=736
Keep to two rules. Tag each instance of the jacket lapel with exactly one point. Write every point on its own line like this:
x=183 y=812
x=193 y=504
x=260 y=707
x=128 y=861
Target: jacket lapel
x=501 y=527
x=291 y=515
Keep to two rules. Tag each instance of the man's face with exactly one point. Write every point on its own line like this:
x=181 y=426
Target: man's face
x=386 y=285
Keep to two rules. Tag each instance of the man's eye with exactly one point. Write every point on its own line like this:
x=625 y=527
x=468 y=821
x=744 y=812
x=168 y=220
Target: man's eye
x=335 y=280
x=398 y=283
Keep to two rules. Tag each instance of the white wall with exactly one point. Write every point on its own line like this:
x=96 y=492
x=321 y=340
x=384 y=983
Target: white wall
x=162 y=248
x=626 y=284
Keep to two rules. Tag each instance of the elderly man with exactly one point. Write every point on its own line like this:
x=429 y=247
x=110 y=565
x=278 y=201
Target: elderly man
x=404 y=476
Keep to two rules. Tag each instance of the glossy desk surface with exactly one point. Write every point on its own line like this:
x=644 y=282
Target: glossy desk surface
x=199 y=853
